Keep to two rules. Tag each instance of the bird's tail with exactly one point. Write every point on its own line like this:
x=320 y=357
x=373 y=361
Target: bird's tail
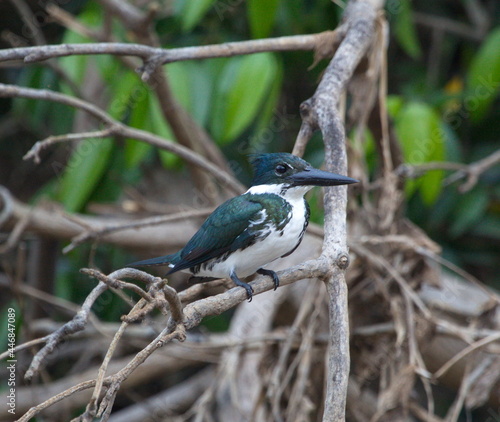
x=161 y=260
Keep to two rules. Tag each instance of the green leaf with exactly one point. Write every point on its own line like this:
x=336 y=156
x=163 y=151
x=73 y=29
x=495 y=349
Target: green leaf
x=136 y=151
x=261 y=16
x=470 y=210
x=76 y=66
x=193 y=11
x=244 y=83
x=125 y=90
x=404 y=29
x=394 y=105
x=179 y=76
x=201 y=88
x=160 y=127
x=483 y=79
x=43 y=115
x=422 y=139
x=85 y=168
x=271 y=101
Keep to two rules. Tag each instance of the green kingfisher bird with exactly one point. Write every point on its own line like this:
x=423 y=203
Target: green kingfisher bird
x=249 y=231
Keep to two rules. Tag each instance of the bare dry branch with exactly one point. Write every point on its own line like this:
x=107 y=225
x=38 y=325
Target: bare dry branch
x=476 y=345
x=159 y=56
x=153 y=296
x=175 y=399
x=117 y=128
x=471 y=172
x=321 y=111
x=35 y=399
x=411 y=304
x=76 y=324
x=146 y=222
x=114 y=282
x=50 y=220
x=34 y=152
x=474 y=170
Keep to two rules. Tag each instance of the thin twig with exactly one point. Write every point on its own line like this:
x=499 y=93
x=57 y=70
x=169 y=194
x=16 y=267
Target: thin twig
x=145 y=222
x=449 y=25
x=160 y=55
x=36 y=34
x=91 y=409
x=175 y=304
x=459 y=271
x=24 y=346
x=34 y=152
x=49 y=220
x=15 y=234
x=185 y=129
x=114 y=282
x=382 y=263
x=463 y=353
x=55 y=399
x=116 y=380
x=474 y=170
x=6 y=204
x=76 y=324
x=120 y=129
x=471 y=172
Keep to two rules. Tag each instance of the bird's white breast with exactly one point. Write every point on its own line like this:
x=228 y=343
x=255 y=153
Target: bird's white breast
x=277 y=243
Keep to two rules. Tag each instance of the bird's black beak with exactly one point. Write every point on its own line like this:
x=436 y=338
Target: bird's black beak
x=314 y=177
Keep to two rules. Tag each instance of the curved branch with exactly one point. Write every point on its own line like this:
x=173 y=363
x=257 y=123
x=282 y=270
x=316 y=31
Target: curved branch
x=76 y=324
x=193 y=315
x=117 y=128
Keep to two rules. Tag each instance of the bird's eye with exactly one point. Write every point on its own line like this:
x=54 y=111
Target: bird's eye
x=280 y=169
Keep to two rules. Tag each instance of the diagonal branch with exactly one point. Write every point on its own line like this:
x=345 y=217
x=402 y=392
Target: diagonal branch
x=119 y=129
x=185 y=129
x=182 y=320
x=76 y=324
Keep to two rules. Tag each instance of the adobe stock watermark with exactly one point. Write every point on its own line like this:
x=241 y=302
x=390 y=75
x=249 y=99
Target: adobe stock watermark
x=493 y=415
x=472 y=101
x=280 y=120
x=38 y=20
x=11 y=361
x=224 y=6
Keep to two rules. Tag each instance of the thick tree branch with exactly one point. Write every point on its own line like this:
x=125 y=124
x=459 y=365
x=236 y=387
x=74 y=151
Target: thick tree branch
x=321 y=111
x=48 y=219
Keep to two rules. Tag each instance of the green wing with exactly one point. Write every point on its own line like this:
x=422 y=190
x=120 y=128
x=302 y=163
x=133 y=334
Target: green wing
x=225 y=230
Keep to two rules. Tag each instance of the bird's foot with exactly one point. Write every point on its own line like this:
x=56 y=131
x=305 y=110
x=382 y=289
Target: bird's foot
x=240 y=283
x=271 y=274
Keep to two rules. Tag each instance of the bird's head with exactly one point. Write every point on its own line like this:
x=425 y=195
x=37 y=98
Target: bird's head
x=289 y=171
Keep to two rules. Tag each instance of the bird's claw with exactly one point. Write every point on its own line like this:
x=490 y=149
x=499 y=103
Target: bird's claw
x=240 y=283
x=249 y=291
x=272 y=274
